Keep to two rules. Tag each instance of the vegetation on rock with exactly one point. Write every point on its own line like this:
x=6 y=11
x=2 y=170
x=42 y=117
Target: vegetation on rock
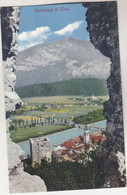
x=68 y=175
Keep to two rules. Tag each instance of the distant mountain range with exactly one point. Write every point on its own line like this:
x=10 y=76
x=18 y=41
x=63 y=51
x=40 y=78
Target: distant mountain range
x=75 y=87
x=60 y=60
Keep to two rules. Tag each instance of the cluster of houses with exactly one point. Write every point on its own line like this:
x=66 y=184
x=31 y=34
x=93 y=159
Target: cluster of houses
x=73 y=149
x=70 y=150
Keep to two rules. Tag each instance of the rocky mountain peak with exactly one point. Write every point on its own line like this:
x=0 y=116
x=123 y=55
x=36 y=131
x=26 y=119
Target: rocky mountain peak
x=76 y=58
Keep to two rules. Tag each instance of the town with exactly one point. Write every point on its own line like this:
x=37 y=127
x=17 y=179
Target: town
x=71 y=150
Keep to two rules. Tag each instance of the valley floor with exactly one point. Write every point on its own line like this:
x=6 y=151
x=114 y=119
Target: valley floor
x=40 y=116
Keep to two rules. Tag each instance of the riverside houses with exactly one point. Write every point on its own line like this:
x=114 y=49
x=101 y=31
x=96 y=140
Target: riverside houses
x=73 y=149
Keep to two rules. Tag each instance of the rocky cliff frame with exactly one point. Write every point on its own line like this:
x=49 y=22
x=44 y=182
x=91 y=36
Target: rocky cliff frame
x=112 y=156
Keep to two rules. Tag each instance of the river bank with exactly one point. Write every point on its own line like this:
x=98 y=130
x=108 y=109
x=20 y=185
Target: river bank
x=24 y=134
x=60 y=137
x=37 y=131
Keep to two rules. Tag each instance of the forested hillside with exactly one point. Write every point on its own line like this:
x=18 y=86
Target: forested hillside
x=75 y=87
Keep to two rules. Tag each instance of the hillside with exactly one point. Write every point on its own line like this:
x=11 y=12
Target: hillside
x=68 y=87
x=60 y=60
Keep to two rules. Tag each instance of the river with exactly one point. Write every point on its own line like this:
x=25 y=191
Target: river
x=60 y=137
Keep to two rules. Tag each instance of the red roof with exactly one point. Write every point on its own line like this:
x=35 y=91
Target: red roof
x=68 y=144
x=73 y=142
x=76 y=142
x=75 y=146
x=96 y=139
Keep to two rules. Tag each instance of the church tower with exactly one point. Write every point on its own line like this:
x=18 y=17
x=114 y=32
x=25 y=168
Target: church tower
x=87 y=135
x=93 y=96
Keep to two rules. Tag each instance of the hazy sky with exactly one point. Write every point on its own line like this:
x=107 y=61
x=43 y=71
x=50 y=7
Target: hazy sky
x=41 y=24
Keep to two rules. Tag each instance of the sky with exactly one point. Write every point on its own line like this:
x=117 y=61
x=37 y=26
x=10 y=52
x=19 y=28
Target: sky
x=40 y=24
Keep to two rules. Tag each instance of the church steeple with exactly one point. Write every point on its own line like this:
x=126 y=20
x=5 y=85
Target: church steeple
x=93 y=97
x=86 y=135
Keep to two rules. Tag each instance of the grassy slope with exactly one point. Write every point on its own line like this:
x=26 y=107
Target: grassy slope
x=25 y=134
x=68 y=87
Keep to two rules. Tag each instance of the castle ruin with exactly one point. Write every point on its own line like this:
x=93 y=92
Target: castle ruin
x=40 y=148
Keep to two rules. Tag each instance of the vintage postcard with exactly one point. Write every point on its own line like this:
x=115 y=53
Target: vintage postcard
x=63 y=97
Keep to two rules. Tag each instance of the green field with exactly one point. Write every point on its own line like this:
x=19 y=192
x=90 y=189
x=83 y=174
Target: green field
x=60 y=106
x=25 y=134
x=74 y=100
x=66 y=109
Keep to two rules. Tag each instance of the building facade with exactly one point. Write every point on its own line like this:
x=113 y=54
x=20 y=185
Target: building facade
x=40 y=148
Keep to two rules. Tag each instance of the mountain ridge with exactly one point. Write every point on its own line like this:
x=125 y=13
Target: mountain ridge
x=60 y=60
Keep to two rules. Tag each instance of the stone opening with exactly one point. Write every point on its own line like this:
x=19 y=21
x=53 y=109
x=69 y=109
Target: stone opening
x=109 y=46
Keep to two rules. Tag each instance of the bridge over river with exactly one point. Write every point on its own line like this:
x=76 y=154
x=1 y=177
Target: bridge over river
x=90 y=127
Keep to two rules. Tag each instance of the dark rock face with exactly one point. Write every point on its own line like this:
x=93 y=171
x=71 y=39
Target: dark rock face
x=103 y=29
x=7 y=31
x=6 y=34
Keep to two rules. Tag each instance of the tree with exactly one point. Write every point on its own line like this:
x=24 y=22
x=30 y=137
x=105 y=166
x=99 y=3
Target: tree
x=32 y=121
x=65 y=121
x=26 y=123
x=19 y=122
x=49 y=120
x=68 y=175
x=61 y=121
x=15 y=123
x=12 y=128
